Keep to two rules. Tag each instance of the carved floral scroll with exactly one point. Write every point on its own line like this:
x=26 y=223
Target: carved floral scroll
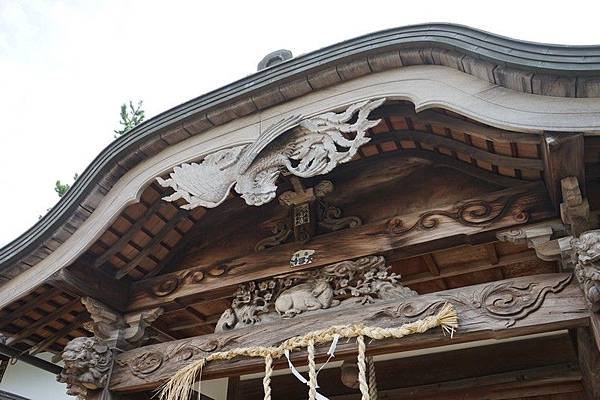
x=525 y=304
x=347 y=283
x=314 y=146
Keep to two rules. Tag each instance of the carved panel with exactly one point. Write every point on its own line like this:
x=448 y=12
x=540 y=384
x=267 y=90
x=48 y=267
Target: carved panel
x=525 y=305
x=510 y=301
x=315 y=146
x=471 y=213
x=146 y=363
x=586 y=258
x=310 y=214
x=365 y=280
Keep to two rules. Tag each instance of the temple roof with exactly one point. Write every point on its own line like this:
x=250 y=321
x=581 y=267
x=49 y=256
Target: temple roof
x=555 y=71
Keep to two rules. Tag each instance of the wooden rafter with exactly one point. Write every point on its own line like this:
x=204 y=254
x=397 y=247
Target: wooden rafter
x=131 y=265
x=64 y=331
x=40 y=323
x=126 y=238
x=34 y=302
x=458 y=146
x=484 y=265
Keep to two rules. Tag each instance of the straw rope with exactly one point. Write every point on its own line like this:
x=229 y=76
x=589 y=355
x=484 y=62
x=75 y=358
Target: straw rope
x=373 y=394
x=267 y=378
x=362 y=369
x=180 y=385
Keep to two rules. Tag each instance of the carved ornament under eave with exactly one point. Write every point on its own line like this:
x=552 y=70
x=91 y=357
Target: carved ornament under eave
x=344 y=284
x=313 y=146
x=586 y=259
x=87 y=364
x=471 y=213
x=309 y=214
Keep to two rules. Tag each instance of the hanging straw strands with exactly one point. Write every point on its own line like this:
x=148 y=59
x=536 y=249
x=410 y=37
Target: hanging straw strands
x=179 y=387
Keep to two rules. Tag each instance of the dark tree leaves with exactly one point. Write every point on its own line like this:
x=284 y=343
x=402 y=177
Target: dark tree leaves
x=131 y=117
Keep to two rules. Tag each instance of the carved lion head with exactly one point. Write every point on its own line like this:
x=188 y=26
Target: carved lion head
x=587 y=247
x=87 y=362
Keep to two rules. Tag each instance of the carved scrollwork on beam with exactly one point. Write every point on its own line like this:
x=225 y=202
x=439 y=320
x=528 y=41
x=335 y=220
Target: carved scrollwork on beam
x=510 y=302
x=315 y=146
x=471 y=213
x=505 y=300
x=148 y=362
x=347 y=283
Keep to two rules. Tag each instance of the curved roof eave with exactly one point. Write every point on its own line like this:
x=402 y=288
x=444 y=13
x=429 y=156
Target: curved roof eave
x=580 y=61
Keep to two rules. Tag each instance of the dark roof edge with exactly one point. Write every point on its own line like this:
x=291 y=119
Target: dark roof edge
x=557 y=59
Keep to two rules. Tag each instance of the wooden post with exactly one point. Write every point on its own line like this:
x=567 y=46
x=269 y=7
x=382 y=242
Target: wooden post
x=589 y=362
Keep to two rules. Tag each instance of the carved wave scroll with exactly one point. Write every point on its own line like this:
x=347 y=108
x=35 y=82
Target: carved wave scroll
x=509 y=301
x=472 y=213
x=314 y=146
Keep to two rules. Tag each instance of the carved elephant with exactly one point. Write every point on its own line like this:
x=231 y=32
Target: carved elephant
x=307 y=296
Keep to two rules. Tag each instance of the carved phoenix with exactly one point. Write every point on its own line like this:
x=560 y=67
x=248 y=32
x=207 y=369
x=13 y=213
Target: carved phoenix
x=315 y=146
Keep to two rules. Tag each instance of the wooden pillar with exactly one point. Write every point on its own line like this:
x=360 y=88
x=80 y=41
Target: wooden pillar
x=589 y=362
x=563 y=157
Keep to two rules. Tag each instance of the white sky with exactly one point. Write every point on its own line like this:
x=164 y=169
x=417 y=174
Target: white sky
x=66 y=66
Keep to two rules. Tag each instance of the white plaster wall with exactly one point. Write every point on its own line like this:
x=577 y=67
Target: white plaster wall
x=33 y=383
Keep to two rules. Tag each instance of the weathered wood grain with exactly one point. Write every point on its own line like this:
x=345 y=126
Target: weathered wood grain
x=589 y=362
x=563 y=155
x=527 y=203
x=81 y=280
x=540 y=303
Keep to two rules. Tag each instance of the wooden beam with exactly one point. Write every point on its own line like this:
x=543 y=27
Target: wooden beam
x=552 y=380
x=390 y=237
x=81 y=280
x=32 y=328
x=434 y=140
x=589 y=362
x=131 y=265
x=233 y=388
x=451 y=271
x=432 y=117
x=563 y=156
x=29 y=305
x=434 y=270
x=541 y=303
x=50 y=340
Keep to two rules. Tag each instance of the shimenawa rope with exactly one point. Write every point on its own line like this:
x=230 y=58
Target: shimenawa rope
x=179 y=387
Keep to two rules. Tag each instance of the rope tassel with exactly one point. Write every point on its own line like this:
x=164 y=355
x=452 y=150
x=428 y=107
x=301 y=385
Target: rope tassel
x=179 y=387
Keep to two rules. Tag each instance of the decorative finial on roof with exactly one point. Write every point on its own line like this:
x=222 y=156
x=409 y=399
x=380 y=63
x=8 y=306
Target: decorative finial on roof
x=274 y=58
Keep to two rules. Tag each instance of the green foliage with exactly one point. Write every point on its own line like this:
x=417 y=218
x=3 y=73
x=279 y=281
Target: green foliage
x=130 y=118
x=62 y=188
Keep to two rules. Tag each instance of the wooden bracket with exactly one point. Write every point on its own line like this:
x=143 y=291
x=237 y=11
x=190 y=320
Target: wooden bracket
x=574 y=210
x=112 y=327
x=540 y=237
